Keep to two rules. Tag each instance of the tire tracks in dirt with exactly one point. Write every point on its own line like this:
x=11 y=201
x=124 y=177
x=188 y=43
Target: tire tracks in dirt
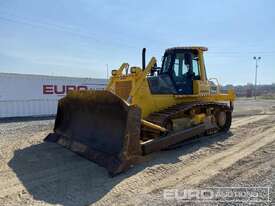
x=169 y=175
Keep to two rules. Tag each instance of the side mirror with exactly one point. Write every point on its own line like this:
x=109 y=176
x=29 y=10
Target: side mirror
x=155 y=69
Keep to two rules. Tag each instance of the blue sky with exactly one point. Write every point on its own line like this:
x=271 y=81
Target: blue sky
x=78 y=38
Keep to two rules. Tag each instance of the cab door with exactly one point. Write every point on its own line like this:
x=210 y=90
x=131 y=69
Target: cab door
x=184 y=71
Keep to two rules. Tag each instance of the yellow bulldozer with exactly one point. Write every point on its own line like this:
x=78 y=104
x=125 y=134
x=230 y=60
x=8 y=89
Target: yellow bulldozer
x=144 y=110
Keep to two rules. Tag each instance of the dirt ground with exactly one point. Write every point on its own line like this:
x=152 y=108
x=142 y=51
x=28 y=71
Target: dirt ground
x=36 y=173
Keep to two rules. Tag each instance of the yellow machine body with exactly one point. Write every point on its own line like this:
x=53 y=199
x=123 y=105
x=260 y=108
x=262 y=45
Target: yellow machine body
x=116 y=126
x=133 y=88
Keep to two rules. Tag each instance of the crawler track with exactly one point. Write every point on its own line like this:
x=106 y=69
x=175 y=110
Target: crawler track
x=165 y=116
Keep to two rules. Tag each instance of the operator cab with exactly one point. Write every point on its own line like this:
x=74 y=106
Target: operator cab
x=180 y=66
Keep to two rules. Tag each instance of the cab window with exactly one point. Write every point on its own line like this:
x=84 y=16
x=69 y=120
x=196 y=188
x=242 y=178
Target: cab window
x=182 y=65
x=195 y=65
x=166 y=63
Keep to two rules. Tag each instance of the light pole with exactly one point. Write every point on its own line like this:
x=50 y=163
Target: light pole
x=107 y=68
x=257 y=59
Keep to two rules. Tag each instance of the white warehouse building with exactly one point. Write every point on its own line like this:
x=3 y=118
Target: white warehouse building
x=24 y=95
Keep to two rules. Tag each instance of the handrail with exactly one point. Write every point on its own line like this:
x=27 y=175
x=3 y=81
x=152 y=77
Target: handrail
x=218 y=84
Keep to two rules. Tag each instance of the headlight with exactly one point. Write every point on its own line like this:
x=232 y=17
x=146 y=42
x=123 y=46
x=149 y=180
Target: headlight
x=114 y=72
x=135 y=70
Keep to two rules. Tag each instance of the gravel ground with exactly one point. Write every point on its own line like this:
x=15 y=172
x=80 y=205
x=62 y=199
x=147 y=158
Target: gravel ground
x=36 y=173
x=255 y=170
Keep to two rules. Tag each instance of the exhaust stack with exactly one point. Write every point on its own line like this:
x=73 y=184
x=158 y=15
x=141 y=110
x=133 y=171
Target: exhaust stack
x=143 y=58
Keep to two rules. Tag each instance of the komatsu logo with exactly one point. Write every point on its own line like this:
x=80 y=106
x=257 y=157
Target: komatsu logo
x=62 y=89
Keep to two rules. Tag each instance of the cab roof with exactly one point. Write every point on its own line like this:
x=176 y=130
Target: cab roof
x=187 y=48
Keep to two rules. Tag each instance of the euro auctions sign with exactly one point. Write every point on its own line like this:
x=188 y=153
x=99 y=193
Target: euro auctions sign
x=59 y=88
x=50 y=89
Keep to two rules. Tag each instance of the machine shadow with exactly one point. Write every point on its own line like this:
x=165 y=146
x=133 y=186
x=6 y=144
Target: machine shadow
x=55 y=175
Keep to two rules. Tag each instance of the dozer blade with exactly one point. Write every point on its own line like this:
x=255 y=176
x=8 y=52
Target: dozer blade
x=99 y=126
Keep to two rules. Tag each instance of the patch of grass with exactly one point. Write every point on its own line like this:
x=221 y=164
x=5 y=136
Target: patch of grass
x=267 y=97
